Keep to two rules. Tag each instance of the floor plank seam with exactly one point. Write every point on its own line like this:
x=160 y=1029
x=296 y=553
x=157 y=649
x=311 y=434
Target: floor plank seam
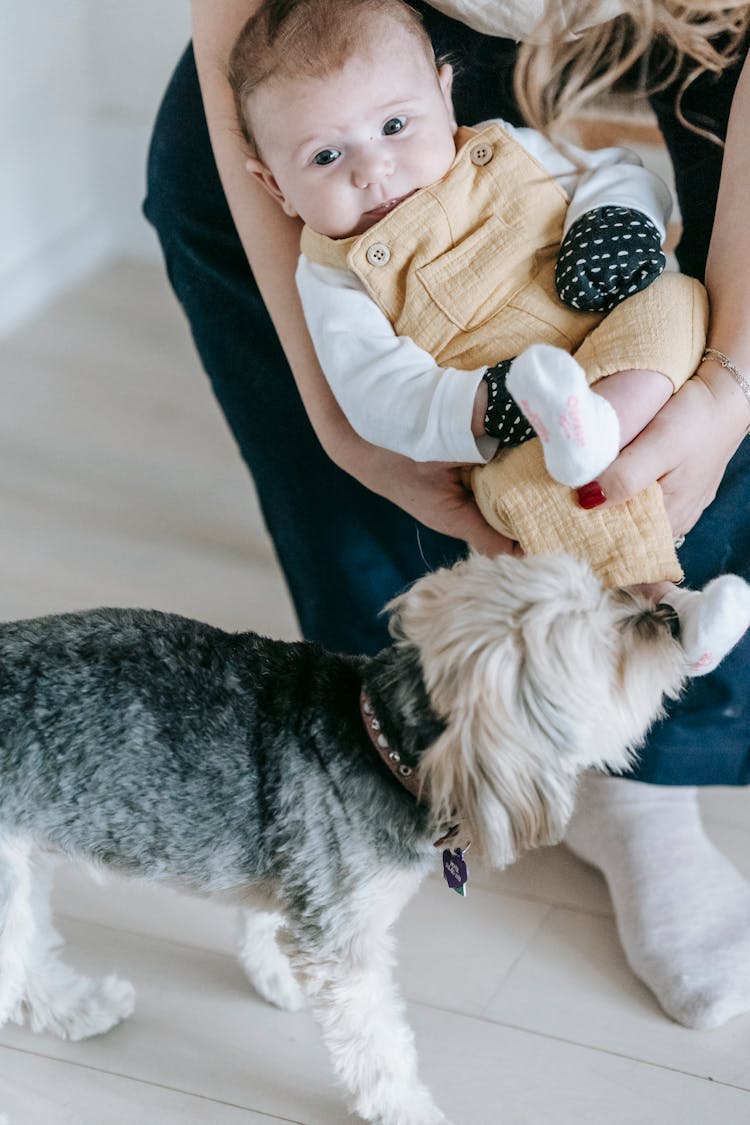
x=151 y=1084
x=609 y=1051
x=521 y=953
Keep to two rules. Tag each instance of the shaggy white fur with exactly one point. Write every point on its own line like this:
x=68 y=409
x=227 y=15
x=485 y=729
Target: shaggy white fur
x=540 y=649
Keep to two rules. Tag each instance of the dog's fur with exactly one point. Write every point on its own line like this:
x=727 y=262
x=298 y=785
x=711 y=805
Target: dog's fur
x=239 y=767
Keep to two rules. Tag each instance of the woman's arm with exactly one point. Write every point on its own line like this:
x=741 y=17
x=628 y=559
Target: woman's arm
x=728 y=267
x=688 y=445
x=431 y=492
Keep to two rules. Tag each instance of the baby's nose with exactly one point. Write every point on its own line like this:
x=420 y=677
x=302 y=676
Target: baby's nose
x=371 y=168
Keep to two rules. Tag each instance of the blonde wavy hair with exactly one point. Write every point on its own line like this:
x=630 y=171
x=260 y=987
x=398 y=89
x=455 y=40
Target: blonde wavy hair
x=650 y=42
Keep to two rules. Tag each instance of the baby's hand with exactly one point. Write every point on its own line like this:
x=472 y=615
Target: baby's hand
x=607 y=255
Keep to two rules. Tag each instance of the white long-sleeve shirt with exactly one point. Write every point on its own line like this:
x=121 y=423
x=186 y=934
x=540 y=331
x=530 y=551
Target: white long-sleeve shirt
x=391 y=390
x=529 y=20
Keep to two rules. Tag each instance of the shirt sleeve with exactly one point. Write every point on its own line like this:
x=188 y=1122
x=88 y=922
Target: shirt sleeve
x=601 y=178
x=391 y=390
x=535 y=20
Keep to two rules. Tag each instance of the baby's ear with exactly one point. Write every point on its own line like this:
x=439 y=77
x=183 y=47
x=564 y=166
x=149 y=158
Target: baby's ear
x=445 y=81
x=265 y=176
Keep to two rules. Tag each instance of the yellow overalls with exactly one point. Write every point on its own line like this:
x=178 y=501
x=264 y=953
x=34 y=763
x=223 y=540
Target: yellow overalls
x=466 y=268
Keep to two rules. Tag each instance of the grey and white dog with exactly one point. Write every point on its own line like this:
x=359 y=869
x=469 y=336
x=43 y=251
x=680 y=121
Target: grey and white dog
x=240 y=767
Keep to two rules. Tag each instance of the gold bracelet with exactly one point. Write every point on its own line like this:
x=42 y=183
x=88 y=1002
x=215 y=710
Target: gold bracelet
x=725 y=361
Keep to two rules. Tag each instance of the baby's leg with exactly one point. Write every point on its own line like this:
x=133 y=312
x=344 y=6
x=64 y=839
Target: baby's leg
x=636 y=396
x=660 y=329
x=712 y=620
x=582 y=429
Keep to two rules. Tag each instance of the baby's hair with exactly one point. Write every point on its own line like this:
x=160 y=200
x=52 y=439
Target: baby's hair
x=308 y=39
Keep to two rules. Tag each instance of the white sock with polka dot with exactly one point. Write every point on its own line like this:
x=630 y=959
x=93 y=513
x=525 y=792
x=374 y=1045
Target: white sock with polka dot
x=682 y=909
x=578 y=429
x=712 y=620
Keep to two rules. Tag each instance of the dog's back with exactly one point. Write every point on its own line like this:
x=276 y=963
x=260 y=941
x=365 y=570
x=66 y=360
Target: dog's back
x=155 y=743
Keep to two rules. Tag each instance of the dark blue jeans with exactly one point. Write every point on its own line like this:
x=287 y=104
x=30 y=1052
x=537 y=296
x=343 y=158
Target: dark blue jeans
x=344 y=550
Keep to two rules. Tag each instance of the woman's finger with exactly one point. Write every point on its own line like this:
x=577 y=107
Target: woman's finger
x=483 y=538
x=458 y=515
x=670 y=439
x=638 y=465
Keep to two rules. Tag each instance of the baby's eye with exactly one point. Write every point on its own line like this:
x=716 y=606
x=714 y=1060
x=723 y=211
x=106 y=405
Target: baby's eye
x=394 y=125
x=326 y=156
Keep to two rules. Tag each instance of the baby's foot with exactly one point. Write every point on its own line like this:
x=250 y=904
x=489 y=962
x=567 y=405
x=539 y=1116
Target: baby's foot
x=579 y=430
x=712 y=620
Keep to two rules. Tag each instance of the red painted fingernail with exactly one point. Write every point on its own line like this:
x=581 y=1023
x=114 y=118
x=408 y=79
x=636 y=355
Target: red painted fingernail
x=591 y=495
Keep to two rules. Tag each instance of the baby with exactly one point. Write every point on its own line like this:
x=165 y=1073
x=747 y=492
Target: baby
x=448 y=273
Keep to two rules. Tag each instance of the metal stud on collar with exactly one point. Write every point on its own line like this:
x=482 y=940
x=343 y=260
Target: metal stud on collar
x=407 y=774
x=381 y=740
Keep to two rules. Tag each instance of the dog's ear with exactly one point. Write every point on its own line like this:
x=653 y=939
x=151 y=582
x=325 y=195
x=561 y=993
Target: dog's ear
x=652 y=666
x=502 y=761
x=509 y=786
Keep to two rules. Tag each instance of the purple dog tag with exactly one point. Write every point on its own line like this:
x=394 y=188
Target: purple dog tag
x=455 y=870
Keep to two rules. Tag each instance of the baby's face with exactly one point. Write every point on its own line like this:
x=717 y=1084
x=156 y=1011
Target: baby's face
x=342 y=151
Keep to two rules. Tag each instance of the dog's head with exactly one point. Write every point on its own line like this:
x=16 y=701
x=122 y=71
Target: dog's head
x=538 y=673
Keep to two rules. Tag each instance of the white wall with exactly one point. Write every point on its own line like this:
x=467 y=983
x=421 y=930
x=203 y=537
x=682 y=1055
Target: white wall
x=81 y=84
x=135 y=45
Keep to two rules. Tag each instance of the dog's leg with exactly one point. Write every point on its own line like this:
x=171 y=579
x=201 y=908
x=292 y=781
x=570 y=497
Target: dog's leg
x=16 y=926
x=347 y=980
x=267 y=968
x=55 y=997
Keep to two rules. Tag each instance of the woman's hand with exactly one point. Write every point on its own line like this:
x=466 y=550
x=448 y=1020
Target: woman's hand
x=431 y=491
x=686 y=447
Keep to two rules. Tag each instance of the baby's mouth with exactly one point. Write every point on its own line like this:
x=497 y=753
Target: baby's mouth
x=384 y=208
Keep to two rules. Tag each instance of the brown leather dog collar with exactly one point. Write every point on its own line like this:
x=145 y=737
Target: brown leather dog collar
x=401 y=770
x=391 y=757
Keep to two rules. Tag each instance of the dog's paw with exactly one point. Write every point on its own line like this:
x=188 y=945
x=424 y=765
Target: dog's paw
x=74 y=1007
x=414 y=1107
x=12 y=1010
x=11 y=999
x=433 y=1118
x=17 y=1015
x=279 y=988
x=266 y=967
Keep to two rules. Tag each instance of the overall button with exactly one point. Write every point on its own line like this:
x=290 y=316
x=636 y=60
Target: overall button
x=481 y=154
x=378 y=254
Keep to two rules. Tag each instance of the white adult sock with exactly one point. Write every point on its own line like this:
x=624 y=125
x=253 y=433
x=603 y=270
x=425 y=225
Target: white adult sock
x=682 y=909
x=712 y=620
x=578 y=429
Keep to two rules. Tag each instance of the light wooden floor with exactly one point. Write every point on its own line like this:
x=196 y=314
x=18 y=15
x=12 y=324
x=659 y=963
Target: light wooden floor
x=120 y=485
